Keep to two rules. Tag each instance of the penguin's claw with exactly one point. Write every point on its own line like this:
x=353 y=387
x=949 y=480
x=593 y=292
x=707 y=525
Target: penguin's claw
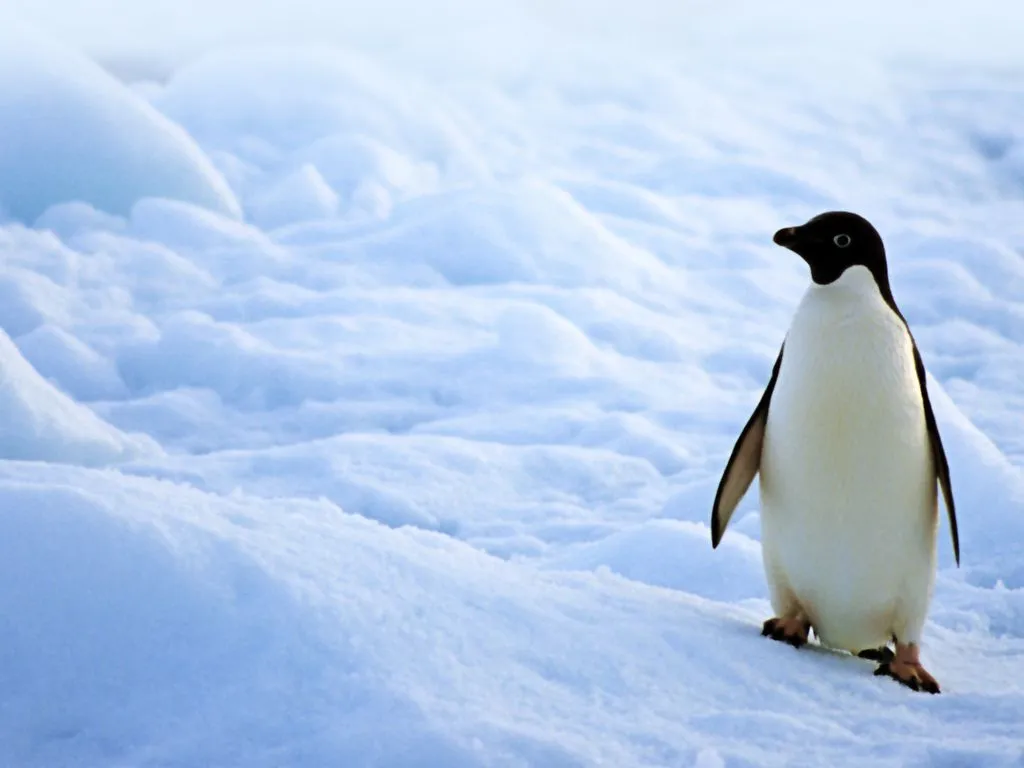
x=914 y=679
x=907 y=670
x=792 y=631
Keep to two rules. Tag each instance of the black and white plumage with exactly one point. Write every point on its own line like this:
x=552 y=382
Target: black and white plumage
x=850 y=459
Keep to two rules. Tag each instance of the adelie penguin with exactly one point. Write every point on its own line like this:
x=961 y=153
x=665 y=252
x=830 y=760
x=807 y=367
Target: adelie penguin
x=850 y=461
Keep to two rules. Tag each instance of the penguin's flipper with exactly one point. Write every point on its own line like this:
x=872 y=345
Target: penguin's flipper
x=744 y=462
x=938 y=455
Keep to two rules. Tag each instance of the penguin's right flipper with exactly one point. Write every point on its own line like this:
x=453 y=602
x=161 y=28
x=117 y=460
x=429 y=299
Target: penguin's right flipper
x=744 y=462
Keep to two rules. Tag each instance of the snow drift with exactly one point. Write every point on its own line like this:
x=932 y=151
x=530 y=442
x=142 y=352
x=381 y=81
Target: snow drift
x=42 y=423
x=60 y=111
x=147 y=623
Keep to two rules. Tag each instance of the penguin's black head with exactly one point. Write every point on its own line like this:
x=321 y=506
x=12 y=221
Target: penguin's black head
x=833 y=241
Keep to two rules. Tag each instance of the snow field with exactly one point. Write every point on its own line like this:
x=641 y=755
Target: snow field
x=363 y=413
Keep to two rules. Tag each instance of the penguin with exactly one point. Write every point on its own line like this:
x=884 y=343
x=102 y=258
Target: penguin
x=849 y=459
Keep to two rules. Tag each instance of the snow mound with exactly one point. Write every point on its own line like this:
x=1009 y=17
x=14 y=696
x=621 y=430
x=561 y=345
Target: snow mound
x=302 y=195
x=462 y=485
x=231 y=248
x=41 y=423
x=677 y=555
x=69 y=131
x=524 y=232
x=68 y=220
x=350 y=162
x=282 y=632
x=194 y=351
x=71 y=364
x=298 y=97
x=29 y=299
x=989 y=492
x=117 y=623
x=41 y=252
x=191 y=228
x=622 y=433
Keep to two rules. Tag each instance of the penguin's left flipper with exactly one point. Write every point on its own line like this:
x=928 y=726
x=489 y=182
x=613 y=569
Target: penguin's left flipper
x=744 y=462
x=938 y=453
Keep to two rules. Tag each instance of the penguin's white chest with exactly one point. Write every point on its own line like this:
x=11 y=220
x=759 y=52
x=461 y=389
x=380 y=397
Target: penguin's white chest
x=848 y=492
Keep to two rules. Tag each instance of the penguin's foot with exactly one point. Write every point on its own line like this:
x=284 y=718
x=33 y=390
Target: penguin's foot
x=885 y=654
x=792 y=630
x=906 y=668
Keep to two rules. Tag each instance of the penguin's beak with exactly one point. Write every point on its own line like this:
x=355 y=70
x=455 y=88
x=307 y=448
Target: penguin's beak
x=797 y=239
x=787 y=237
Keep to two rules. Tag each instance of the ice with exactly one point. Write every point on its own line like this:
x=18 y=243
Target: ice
x=368 y=373
x=60 y=110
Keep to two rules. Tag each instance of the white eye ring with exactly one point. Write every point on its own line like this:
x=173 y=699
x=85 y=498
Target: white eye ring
x=842 y=241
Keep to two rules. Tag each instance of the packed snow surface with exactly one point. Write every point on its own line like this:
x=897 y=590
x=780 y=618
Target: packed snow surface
x=364 y=405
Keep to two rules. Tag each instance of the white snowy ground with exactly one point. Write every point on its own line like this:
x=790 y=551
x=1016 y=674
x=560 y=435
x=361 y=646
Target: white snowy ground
x=366 y=408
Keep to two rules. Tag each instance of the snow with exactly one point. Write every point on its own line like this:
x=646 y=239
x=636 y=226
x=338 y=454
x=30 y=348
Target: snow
x=71 y=364
x=234 y=629
x=373 y=416
x=301 y=195
x=60 y=110
x=43 y=423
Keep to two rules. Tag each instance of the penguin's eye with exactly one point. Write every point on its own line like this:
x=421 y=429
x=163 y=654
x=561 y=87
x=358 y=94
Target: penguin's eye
x=842 y=241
